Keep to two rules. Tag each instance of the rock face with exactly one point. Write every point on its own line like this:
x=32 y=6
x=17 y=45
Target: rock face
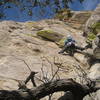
x=19 y=42
x=95 y=17
x=82 y=59
x=96 y=53
x=95 y=75
x=79 y=19
x=96 y=47
x=95 y=71
x=92 y=28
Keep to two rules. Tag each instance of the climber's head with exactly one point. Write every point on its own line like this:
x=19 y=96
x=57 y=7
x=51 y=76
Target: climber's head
x=69 y=38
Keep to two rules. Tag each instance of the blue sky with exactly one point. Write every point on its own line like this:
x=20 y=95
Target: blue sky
x=86 y=5
x=90 y=4
x=14 y=12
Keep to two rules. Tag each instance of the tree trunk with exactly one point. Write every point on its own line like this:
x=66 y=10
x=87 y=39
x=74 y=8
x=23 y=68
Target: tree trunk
x=43 y=90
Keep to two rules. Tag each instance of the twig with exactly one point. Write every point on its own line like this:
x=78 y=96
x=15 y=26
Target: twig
x=55 y=74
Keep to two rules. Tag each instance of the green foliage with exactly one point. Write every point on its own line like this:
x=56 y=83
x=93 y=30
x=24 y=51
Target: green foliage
x=91 y=36
x=50 y=35
x=96 y=27
x=59 y=16
x=1 y=15
x=1 y=3
x=10 y=1
x=63 y=14
x=81 y=1
x=94 y=30
x=55 y=5
x=30 y=13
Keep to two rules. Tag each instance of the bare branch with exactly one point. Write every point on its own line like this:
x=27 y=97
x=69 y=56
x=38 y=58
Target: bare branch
x=49 y=88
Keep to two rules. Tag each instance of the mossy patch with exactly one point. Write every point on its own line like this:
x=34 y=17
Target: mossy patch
x=96 y=27
x=91 y=36
x=94 y=30
x=61 y=42
x=50 y=35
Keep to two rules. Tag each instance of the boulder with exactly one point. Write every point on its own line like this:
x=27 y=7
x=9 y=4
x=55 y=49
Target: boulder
x=97 y=95
x=96 y=53
x=95 y=17
x=81 y=58
x=95 y=71
x=50 y=35
x=96 y=47
x=94 y=74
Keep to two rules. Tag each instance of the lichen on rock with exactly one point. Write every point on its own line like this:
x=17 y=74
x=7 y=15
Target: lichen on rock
x=91 y=36
x=50 y=35
x=61 y=42
x=96 y=27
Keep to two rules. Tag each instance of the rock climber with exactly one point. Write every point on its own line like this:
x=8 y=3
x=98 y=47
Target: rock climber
x=70 y=43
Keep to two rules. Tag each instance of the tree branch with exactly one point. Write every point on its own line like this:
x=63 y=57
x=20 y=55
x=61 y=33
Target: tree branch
x=78 y=90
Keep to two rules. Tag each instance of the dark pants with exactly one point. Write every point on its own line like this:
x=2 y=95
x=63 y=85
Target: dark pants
x=89 y=45
x=71 y=47
x=79 y=48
